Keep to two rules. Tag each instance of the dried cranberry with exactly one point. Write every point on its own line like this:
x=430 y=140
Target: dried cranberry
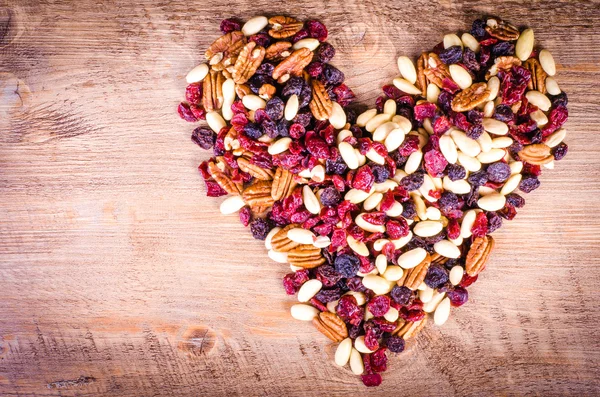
x=458 y=296
x=343 y=95
x=451 y=55
x=193 y=93
x=371 y=380
x=397 y=228
x=498 y=172
x=245 y=215
x=480 y=226
x=453 y=229
x=379 y=305
x=435 y=163
x=395 y=344
x=508 y=212
x=560 y=151
x=349 y=310
x=213 y=189
x=261 y=39
x=186 y=113
x=363 y=179
x=529 y=183
x=401 y=295
x=316 y=30
x=468 y=280
x=347 y=265
x=410 y=145
x=412 y=315
x=379 y=360
x=260 y=228
x=324 y=52
x=424 y=110
x=230 y=25
x=301 y=34
x=293 y=281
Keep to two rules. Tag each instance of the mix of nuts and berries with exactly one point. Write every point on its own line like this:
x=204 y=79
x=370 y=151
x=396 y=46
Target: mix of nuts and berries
x=385 y=216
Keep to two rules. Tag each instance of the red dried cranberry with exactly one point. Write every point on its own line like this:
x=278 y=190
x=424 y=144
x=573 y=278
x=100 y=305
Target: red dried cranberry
x=316 y=30
x=245 y=215
x=379 y=305
x=397 y=228
x=229 y=25
x=468 y=280
x=379 y=360
x=344 y=95
x=480 y=226
x=363 y=179
x=325 y=52
x=371 y=380
x=435 y=163
x=314 y=69
x=458 y=296
x=293 y=281
x=213 y=189
x=412 y=315
x=186 y=113
x=349 y=310
x=193 y=93
x=261 y=39
x=424 y=110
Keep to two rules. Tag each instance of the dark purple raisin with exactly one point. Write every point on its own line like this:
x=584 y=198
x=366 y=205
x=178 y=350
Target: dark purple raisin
x=515 y=200
x=329 y=295
x=498 y=172
x=253 y=130
x=347 y=265
x=380 y=172
x=448 y=202
x=401 y=295
x=458 y=296
x=331 y=75
x=560 y=151
x=337 y=167
x=504 y=113
x=560 y=100
x=529 y=183
x=451 y=55
x=469 y=59
x=230 y=25
x=265 y=68
x=303 y=118
x=330 y=196
x=478 y=178
x=475 y=116
x=275 y=108
x=259 y=228
x=269 y=127
x=456 y=172
x=472 y=197
x=436 y=276
x=293 y=86
x=503 y=48
x=283 y=127
x=494 y=222
x=204 y=137
x=305 y=96
x=474 y=131
x=324 y=52
x=413 y=181
x=395 y=344
x=445 y=101
x=409 y=210
x=478 y=28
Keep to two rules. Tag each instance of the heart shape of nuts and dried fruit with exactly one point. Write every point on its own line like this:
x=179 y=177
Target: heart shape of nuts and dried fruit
x=384 y=216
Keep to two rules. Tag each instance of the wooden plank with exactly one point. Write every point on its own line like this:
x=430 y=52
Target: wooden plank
x=119 y=278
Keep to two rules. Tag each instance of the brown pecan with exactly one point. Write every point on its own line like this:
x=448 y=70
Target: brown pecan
x=502 y=30
x=242 y=90
x=284 y=27
x=218 y=171
x=307 y=256
x=212 y=91
x=258 y=194
x=408 y=329
x=320 y=105
x=230 y=141
x=247 y=62
x=538 y=76
x=435 y=70
x=280 y=241
x=438 y=259
x=246 y=165
x=537 y=154
x=471 y=97
x=278 y=50
x=224 y=51
x=292 y=65
x=283 y=184
x=416 y=275
x=478 y=254
x=266 y=91
x=421 y=78
x=330 y=325
x=502 y=63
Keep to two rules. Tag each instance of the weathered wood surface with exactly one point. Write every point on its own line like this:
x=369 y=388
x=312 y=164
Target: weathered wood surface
x=118 y=278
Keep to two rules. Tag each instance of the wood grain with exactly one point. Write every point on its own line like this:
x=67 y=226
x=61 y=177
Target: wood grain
x=119 y=278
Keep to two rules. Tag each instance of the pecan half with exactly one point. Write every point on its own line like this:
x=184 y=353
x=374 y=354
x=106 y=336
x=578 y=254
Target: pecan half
x=258 y=194
x=408 y=329
x=502 y=30
x=421 y=78
x=224 y=50
x=416 y=275
x=478 y=254
x=502 y=63
x=278 y=50
x=283 y=184
x=538 y=76
x=242 y=90
x=218 y=171
x=247 y=62
x=306 y=255
x=330 y=325
x=292 y=65
x=435 y=70
x=266 y=91
x=230 y=141
x=283 y=27
x=320 y=105
x=471 y=97
x=537 y=154
x=246 y=165
x=280 y=241
x=438 y=259
x=212 y=91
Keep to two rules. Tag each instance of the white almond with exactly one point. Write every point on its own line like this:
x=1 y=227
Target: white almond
x=427 y=126
x=539 y=117
x=348 y=155
x=460 y=186
x=343 y=134
x=305 y=173
x=343 y=352
x=407 y=69
x=426 y=295
x=402 y=241
x=322 y=242
x=524 y=45
x=493 y=85
x=338 y=116
x=412 y=258
x=332 y=305
x=383 y=130
x=494 y=126
x=485 y=190
x=279 y=257
x=383 y=187
x=467 y=223
x=433 y=214
x=254 y=25
x=365 y=116
x=309 y=289
x=357 y=365
x=362 y=159
x=376 y=121
x=356 y=196
x=254 y=102
x=372 y=201
x=406 y=86
x=231 y=204
x=395 y=211
x=359 y=344
x=394 y=139
x=375 y=157
x=470 y=163
x=491 y=156
x=420 y=206
x=404 y=123
x=392 y=315
x=538 y=99
x=448 y=149
x=456 y=274
x=369 y=227
x=280 y=146
x=310 y=201
x=389 y=107
x=197 y=74
x=547 y=62
x=377 y=284
x=309 y=43
x=215 y=121
x=358 y=246
x=398 y=175
x=427 y=228
x=461 y=76
x=414 y=161
x=317 y=174
x=381 y=263
x=556 y=137
x=470 y=42
x=433 y=93
x=304 y=312
x=442 y=312
x=228 y=88
x=465 y=144
x=485 y=142
x=447 y=249
x=511 y=184
x=502 y=142
x=291 y=107
x=488 y=109
x=516 y=167
x=433 y=303
x=301 y=236
x=552 y=86
x=270 y=237
x=492 y=202
x=549 y=165
x=426 y=187
x=378 y=244
x=451 y=40
x=393 y=273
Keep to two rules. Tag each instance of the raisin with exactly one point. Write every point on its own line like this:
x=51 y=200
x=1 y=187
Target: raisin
x=458 y=296
x=324 y=52
x=529 y=183
x=380 y=172
x=503 y=48
x=560 y=100
x=293 y=86
x=261 y=39
x=478 y=28
x=498 y=172
x=329 y=295
x=328 y=276
x=229 y=25
x=494 y=222
x=331 y=75
x=413 y=181
x=260 y=228
x=204 y=137
x=409 y=210
x=560 y=151
x=451 y=55
x=504 y=113
x=515 y=200
x=347 y=265
x=253 y=130
x=275 y=108
x=478 y=178
x=456 y=172
x=266 y=68
x=474 y=131
x=469 y=60
x=330 y=196
x=401 y=295
x=395 y=344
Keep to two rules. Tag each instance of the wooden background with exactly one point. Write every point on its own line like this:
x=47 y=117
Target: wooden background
x=119 y=278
